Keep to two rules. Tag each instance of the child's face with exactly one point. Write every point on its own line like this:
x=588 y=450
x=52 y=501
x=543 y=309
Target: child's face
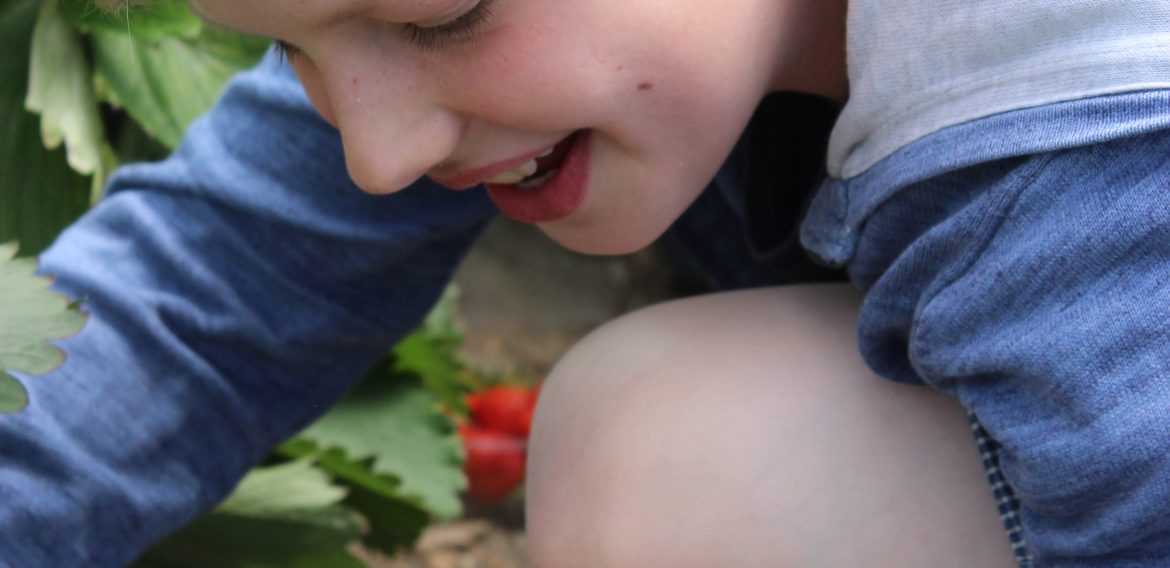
x=656 y=91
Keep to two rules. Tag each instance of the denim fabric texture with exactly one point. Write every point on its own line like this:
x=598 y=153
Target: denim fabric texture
x=235 y=291
x=1035 y=289
x=239 y=288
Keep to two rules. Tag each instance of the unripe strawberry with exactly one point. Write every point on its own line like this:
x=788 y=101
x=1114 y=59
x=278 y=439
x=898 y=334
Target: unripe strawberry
x=495 y=462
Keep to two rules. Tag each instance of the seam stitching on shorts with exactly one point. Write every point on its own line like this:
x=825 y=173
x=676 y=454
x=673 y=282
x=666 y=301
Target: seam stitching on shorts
x=969 y=260
x=918 y=352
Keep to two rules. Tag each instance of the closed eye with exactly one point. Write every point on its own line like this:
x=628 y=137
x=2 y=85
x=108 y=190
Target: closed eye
x=434 y=38
x=425 y=38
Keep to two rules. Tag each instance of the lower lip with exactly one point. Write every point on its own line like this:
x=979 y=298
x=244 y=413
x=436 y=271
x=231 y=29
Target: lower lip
x=559 y=197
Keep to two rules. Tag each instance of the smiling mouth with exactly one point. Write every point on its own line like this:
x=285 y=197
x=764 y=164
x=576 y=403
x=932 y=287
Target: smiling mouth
x=555 y=189
x=535 y=172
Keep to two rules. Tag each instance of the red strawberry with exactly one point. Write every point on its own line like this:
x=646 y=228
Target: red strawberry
x=503 y=409
x=495 y=462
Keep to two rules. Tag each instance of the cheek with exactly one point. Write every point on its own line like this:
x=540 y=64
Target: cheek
x=546 y=67
x=548 y=71
x=513 y=82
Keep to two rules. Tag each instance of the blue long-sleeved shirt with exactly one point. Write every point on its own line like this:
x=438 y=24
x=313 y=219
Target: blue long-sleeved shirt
x=235 y=291
x=238 y=288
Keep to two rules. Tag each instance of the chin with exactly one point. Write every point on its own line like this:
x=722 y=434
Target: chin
x=600 y=241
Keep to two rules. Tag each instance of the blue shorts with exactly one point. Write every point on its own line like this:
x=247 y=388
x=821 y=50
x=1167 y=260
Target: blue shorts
x=1021 y=263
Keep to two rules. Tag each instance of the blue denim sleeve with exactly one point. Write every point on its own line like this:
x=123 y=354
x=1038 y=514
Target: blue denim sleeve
x=234 y=291
x=1036 y=290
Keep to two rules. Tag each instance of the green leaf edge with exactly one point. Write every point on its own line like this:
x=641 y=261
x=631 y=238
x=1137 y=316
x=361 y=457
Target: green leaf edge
x=13 y=394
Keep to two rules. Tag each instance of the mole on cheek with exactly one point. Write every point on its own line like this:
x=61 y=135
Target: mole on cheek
x=645 y=86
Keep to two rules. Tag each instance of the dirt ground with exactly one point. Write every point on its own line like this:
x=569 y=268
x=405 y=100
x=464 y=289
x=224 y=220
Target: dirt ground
x=473 y=542
x=524 y=302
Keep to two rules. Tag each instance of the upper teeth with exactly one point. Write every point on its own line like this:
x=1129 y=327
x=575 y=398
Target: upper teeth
x=538 y=180
x=515 y=174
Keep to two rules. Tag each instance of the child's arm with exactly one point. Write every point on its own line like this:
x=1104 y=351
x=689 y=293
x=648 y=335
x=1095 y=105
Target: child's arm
x=234 y=292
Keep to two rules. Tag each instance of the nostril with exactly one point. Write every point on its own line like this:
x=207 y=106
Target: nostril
x=442 y=172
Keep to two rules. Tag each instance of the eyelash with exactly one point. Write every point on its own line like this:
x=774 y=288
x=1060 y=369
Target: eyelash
x=286 y=51
x=430 y=39
x=462 y=28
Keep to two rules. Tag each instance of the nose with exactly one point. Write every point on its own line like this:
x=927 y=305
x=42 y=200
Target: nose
x=393 y=124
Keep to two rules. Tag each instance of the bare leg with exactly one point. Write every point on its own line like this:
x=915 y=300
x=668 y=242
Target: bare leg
x=743 y=430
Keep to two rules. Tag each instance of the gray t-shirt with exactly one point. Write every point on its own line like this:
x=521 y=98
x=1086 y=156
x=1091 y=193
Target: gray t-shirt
x=917 y=66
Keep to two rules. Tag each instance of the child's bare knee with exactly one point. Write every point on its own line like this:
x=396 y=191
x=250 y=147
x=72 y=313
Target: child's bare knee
x=646 y=433
x=601 y=444
x=713 y=423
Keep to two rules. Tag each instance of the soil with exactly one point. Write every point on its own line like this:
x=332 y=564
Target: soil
x=524 y=301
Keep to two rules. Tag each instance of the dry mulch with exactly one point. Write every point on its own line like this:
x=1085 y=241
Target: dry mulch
x=464 y=543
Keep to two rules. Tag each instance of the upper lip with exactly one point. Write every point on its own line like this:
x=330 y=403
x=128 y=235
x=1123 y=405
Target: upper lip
x=471 y=177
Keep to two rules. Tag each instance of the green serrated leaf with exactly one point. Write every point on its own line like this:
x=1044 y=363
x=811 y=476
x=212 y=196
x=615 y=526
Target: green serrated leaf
x=275 y=492
x=13 y=396
x=434 y=360
x=395 y=522
x=394 y=421
x=143 y=21
x=336 y=463
x=226 y=541
x=432 y=352
x=30 y=316
x=60 y=89
x=39 y=193
x=168 y=82
x=285 y=516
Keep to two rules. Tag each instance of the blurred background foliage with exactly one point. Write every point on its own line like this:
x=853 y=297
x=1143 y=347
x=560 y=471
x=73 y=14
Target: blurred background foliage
x=82 y=91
